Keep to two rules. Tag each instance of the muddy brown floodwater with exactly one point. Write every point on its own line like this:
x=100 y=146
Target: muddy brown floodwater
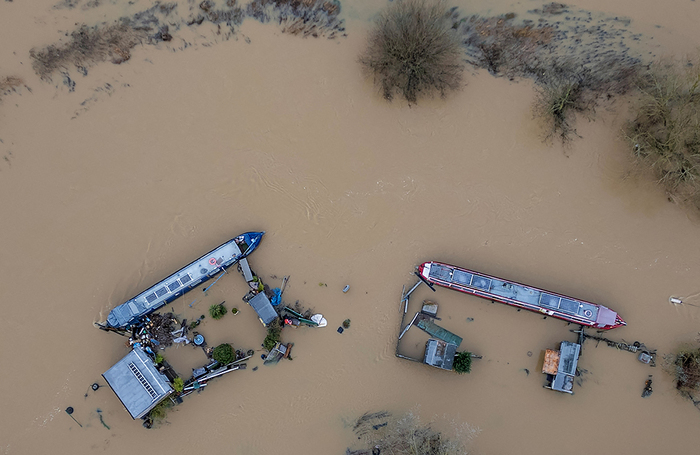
x=146 y=165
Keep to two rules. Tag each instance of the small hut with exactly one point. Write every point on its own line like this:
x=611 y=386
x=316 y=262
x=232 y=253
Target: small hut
x=137 y=383
x=262 y=306
x=440 y=354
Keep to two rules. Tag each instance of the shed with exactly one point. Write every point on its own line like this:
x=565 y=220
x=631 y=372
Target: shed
x=261 y=304
x=440 y=354
x=561 y=366
x=137 y=383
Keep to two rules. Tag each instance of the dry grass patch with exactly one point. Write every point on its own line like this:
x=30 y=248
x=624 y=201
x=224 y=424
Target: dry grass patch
x=665 y=131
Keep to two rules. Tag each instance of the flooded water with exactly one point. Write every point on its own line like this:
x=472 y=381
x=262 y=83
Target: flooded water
x=146 y=165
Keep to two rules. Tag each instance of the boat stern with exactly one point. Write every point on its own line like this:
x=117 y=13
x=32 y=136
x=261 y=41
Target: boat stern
x=424 y=270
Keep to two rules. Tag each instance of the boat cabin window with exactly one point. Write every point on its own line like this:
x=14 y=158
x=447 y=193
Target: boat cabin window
x=569 y=306
x=461 y=277
x=481 y=282
x=440 y=272
x=174 y=286
x=549 y=300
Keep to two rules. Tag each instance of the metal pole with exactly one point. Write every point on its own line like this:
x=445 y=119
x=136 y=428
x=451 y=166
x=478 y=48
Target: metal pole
x=69 y=411
x=207 y=288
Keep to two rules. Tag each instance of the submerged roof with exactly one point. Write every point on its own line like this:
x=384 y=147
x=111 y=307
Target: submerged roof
x=566 y=369
x=137 y=383
x=261 y=304
x=440 y=354
x=426 y=324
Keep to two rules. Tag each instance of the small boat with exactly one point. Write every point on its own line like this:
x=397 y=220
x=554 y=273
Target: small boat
x=184 y=280
x=520 y=296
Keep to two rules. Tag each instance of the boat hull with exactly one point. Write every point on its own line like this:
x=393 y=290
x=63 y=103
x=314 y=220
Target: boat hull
x=184 y=280
x=521 y=296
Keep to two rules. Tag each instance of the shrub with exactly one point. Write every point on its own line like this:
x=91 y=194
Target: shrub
x=555 y=103
x=217 y=311
x=224 y=354
x=274 y=332
x=159 y=358
x=160 y=411
x=178 y=384
x=463 y=362
x=346 y=323
x=234 y=310
x=665 y=132
x=414 y=50
x=685 y=368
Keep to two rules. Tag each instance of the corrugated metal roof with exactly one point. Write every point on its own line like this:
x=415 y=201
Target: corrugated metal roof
x=137 y=383
x=261 y=304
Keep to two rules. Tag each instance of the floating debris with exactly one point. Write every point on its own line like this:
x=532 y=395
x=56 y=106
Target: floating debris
x=102 y=420
x=647 y=388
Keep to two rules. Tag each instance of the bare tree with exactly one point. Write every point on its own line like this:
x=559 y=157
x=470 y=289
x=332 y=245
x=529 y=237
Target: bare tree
x=414 y=50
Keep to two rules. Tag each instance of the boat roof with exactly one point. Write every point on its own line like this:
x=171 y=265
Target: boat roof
x=261 y=304
x=137 y=383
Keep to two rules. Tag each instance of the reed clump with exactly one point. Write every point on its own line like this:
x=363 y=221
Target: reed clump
x=413 y=50
x=664 y=134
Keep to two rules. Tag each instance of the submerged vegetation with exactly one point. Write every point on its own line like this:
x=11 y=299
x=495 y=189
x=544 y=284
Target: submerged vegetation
x=8 y=84
x=87 y=46
x=160 y=411
x=462 y=362
x=274 y=332
x=665 y=131
x=178 y=384
x=405 y=435
x=413 y=50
